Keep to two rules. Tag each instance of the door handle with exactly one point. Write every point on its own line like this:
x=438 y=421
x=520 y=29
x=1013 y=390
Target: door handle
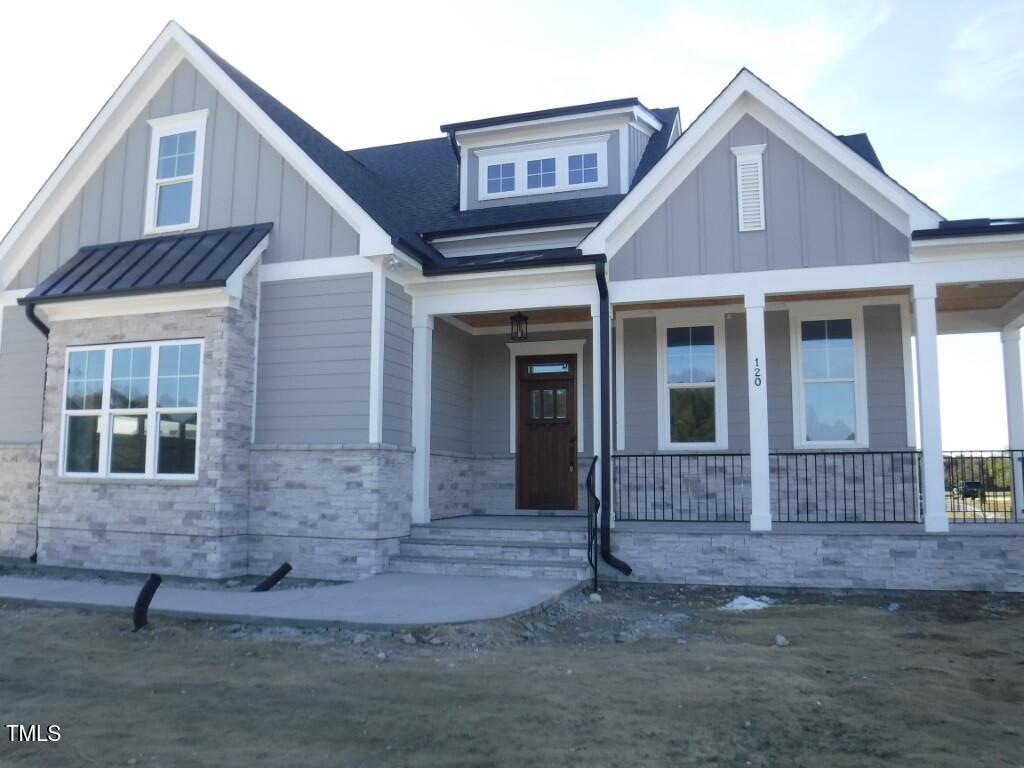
x=572 y=455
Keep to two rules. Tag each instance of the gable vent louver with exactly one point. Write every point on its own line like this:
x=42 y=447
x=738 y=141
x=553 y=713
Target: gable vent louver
x=750 y=187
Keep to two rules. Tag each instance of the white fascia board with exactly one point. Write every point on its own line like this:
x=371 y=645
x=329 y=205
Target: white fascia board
x=237 y=279
x=966 y=248
x=511 y=232
x=497 y=277
x=145 y=304
x=845 y=278
x=330 y=266
x=746 y=93
x=555 y=129
x=158 y=62
x=650 y=123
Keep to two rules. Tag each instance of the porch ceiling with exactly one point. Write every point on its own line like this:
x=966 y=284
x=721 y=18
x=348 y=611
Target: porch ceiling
x=537 y=317
x=965 y=296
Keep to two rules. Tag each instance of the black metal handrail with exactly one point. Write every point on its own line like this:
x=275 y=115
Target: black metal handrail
x=593 y=508
x=846 y=486
x=980 y=485
x=682 y=487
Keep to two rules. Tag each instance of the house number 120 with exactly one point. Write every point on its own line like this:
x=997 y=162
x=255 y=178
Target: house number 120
x=757 y=372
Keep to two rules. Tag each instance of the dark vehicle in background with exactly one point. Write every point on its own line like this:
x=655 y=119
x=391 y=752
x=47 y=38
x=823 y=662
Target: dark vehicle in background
x=967 y=489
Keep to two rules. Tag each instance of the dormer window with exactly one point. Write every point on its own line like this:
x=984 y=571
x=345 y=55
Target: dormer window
x=501 y=177
x=175 y=172
x=540 y=173
x=561 y=165
x=583 y=169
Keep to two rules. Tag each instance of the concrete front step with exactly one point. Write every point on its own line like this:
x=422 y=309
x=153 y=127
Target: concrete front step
x=438 y=530
x=535 y=569
x=495 y=549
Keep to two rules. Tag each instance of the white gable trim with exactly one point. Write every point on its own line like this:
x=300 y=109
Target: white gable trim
x=747 y=94
x=171 y=47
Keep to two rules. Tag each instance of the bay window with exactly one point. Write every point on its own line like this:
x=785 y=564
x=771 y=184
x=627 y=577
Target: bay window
x=132 y=410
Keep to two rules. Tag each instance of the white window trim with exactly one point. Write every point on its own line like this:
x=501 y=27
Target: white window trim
x=167 y=126
x=529 y=349
x=749 y=154
x=684 y=319
x=105 y=413
x=829 y=310
x=560 y=150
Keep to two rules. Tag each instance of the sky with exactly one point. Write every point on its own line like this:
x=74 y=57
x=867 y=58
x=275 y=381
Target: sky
x=938 y=86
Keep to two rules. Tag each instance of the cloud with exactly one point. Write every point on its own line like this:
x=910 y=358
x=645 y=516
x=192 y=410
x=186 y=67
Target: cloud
x=986 y=56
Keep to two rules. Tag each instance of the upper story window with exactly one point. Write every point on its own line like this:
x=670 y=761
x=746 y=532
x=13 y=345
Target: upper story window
x=132 y=410
x=501 y=177
x=551 y=166
x=540 y=173
x=583 y=168
x=175 y=172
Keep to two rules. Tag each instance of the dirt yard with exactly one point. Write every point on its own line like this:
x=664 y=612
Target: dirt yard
x=649 y=676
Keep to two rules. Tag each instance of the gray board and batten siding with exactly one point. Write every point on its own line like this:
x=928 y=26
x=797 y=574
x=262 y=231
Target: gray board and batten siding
x=810 y=220
x=245 y=181
x=886 y=392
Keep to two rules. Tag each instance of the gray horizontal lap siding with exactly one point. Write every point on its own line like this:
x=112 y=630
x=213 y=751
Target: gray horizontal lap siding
x=245 y=181
x=397 y=384
x=451 y=404
x=22 y=361
x=887 y=412
x=811 y=220
x=473 y=169
x=313 y=366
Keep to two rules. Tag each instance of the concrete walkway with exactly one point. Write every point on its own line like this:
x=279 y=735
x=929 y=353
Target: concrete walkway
x=391 y=598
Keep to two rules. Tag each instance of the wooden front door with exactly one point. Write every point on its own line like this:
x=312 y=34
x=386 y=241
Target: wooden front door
x=546 y=460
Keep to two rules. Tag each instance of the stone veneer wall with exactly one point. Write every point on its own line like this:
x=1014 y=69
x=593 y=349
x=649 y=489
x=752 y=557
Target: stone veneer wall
x=333 y=512
x=982 y=559
x=481 y=484
x=19 y=486
x=194 y=527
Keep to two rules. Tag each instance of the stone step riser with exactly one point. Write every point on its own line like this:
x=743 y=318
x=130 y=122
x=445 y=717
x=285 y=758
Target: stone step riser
x=518 y=535
x=510 y=569
x=572 y=555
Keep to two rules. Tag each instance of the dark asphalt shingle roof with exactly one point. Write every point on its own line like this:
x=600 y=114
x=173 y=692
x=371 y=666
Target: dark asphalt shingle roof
x=861 y=144
x=181 y=261
x=970 y=228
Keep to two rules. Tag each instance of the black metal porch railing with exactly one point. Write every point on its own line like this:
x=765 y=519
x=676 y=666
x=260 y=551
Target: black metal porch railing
x=846 y=486
x=593 y=509
x=692 y=487
x=979 y=485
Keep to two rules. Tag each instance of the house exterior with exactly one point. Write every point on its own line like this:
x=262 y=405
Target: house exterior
x=226 y=342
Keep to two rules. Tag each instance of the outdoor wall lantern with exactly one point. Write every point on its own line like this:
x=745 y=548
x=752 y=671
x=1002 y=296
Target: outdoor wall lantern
x=519 y=327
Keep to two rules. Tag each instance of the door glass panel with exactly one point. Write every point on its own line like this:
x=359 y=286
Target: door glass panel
x=535 y=404
x=549 y=403
x=561 y=400
x=534 y=368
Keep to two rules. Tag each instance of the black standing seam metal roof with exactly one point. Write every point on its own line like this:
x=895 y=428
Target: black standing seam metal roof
x=175 y=262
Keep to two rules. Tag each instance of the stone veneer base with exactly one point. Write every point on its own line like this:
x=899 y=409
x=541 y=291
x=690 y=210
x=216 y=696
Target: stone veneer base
x=19 y=488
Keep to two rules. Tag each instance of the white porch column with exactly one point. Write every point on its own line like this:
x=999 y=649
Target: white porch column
x=1014 y=410
x=932 y=471
x=596 y=384
x=422 y=353
x=757 y=394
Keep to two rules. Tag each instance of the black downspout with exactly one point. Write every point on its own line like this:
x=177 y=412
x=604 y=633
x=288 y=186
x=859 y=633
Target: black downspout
x=606 y=427
x=30 y=313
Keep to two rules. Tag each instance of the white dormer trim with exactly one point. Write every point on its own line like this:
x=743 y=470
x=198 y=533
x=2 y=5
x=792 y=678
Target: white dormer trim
x=560 y=149
x=170 y=48
x=747 y=94
x=750 y=187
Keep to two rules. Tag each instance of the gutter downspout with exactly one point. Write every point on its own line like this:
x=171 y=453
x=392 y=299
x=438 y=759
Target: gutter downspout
x=30 y=313
x=606 y=427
